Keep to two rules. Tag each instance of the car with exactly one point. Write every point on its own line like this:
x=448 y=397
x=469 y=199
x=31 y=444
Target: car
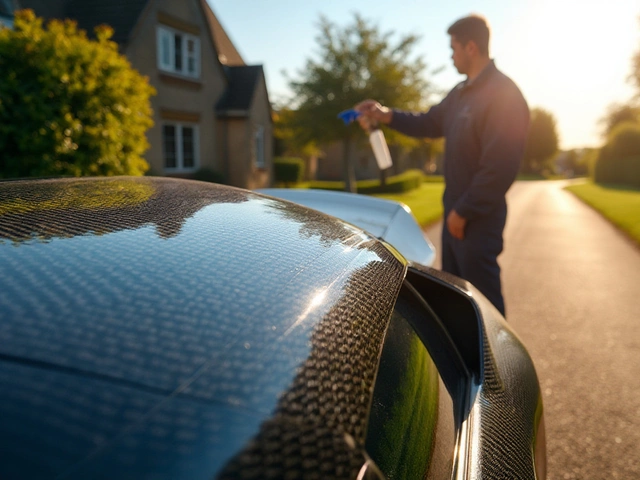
x=157 y=328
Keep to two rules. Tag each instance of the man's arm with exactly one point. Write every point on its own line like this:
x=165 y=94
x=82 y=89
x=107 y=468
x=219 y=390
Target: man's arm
x=428 y=124
x=503 y=141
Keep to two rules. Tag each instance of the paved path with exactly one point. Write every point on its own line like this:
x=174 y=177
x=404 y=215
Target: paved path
x=572 y=288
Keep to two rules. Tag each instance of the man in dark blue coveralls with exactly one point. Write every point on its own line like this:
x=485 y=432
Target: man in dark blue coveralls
x=485 y=121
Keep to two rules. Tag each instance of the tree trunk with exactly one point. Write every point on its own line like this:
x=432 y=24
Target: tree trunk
x=383 y=177
x=349 y=171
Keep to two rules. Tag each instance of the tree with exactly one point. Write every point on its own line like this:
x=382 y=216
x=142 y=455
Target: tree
x=354 y=63
x=618 y=160
x=618 y=114
x=542 y=142
x=289 y=140
x=69 y=105
x=634 y=77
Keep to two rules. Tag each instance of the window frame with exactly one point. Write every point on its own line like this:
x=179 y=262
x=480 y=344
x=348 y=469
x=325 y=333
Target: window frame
x=179 y=147
x=166 y=52
x=259 y=157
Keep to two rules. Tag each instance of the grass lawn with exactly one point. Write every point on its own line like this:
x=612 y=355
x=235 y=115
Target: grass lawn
x=425 y=202
x=620 y=205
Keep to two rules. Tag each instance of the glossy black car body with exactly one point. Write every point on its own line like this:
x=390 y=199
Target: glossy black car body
x=157 y=328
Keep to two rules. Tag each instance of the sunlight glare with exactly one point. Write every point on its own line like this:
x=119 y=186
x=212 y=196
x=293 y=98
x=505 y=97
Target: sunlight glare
x=316 y=301
x=573 y=56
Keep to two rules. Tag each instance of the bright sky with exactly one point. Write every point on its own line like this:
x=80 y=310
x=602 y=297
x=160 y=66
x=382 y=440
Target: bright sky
x=570 y=57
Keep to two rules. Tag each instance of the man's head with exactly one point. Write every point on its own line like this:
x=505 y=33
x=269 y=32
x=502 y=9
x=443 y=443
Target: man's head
x=469 y=43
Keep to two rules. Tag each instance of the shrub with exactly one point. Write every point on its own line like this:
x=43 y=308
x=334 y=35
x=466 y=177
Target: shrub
x=288 y=170
x=69 y=105
x=433 y=179
x=404 y=182
x=618 y=161
x=209 y=175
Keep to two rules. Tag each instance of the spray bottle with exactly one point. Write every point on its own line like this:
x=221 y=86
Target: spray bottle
x=376 y=139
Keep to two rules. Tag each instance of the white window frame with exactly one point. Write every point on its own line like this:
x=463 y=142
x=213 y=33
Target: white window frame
x=179 y=147
x=258 y=147
x=166 y=51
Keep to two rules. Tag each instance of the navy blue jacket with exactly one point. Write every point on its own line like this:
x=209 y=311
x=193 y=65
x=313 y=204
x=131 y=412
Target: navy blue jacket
x=485 y=123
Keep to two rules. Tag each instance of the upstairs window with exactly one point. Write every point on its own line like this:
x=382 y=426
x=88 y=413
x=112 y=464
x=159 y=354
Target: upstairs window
x=180 y=142
x=258 y=147
x=178 y=52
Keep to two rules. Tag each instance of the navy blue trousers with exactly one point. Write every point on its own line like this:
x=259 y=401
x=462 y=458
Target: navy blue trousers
x=475 y=258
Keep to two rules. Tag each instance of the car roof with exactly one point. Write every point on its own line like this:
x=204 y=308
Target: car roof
x=129 y=305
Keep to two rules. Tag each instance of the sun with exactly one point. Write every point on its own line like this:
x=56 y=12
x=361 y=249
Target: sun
x=573 y=58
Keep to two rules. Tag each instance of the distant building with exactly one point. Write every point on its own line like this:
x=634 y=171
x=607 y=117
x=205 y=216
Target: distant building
x=212 y=111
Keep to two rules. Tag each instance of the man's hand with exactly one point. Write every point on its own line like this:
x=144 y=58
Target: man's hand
x=372 y=113
x=456 y=224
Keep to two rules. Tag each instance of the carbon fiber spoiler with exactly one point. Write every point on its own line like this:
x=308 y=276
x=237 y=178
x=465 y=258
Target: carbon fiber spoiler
x=385 y=219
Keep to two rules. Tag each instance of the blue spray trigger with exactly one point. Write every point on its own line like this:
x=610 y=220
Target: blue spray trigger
x=348 y=116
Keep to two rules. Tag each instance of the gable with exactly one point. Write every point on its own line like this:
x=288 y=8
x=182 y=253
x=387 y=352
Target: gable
x=227 y=52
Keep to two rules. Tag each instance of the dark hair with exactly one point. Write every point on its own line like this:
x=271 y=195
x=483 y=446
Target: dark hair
x=472 y=28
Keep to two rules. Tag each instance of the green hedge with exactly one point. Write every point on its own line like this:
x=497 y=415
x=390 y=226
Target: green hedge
x=433 y=179
x=618 y=171
x=209 y=175
x=618 y=161
x=405 y=182
x=288 y=170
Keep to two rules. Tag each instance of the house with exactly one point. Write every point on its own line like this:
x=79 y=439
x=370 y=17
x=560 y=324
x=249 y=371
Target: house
x=212 y=114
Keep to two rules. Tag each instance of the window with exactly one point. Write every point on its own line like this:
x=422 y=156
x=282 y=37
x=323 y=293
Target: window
x=258 y=157
x=178 y=52
x=180 y=145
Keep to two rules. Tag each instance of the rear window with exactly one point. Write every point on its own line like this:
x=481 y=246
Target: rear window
x=411 y=426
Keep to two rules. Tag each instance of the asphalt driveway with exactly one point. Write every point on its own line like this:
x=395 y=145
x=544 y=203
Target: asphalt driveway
x=572 y=288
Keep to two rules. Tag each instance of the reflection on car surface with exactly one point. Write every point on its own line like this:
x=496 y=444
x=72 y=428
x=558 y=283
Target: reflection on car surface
x=163 y=328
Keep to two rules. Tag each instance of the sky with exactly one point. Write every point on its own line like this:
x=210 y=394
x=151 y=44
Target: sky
x=569 y=57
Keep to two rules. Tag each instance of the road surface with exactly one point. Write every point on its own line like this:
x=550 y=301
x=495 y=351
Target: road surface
x=572 y=288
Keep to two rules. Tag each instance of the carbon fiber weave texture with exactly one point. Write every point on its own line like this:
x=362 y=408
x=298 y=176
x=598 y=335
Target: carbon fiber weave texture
x=319 y=425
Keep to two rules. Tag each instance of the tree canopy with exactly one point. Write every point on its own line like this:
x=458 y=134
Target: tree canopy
x=618 y=161
x=354 y=63
x=634 y=77
x=542 y=142
x=69 y=105
x=618 y=114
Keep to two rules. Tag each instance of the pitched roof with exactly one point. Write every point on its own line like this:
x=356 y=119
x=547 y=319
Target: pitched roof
x=121 y=15
x=227 y=53
x=7 y=8
x=242 y=85
x=47 y=9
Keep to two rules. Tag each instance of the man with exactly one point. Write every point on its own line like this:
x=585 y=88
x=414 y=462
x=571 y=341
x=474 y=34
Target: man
x=485 y=121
